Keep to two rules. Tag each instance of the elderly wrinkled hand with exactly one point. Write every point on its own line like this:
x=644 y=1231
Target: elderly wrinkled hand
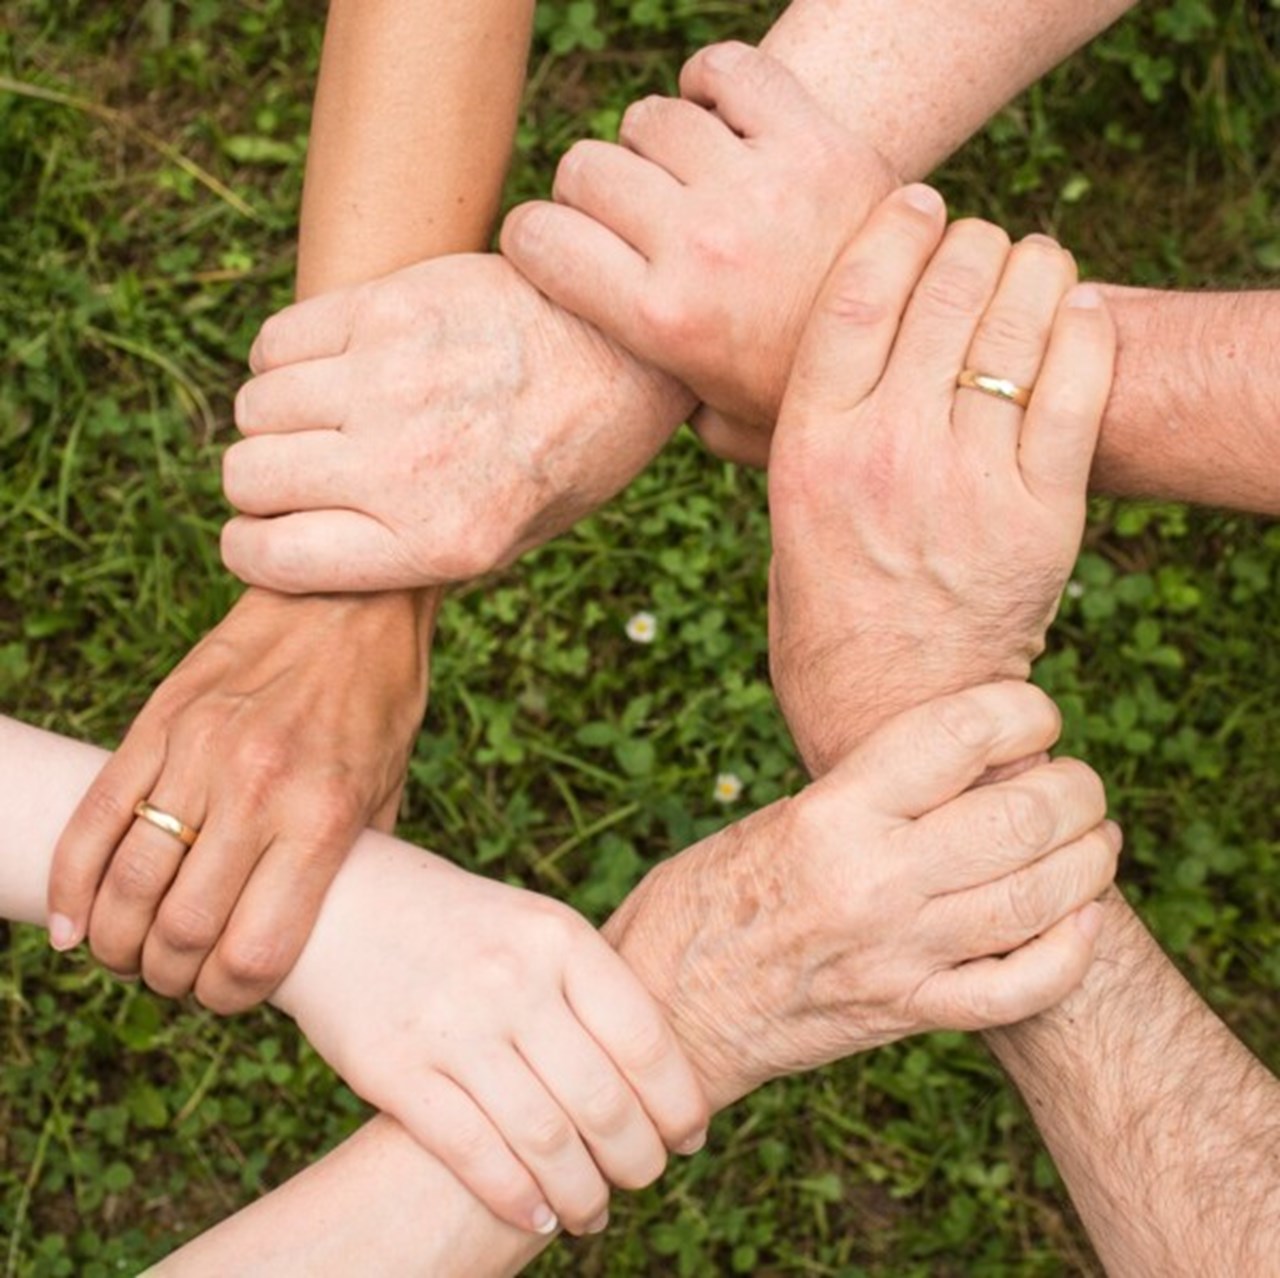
x=888 y=899
x=923 y=532
x=702 y=240
x=428 y=428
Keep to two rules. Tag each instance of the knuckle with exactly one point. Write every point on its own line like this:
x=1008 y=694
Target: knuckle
x=254 y=961
x=856 y=296
x=188 y=928
x=964 y=720
x=138 y=875
x=105 y=809
x=267 y=345
x=1028 y=815
x=337 y=810
x=1011 y=328
x=549 y=1134
x=260 y=761
x=606 y=1109
x=666 y=318
x=954 y=288
x=1025 y=902
x=647 y=1045
x=717 y=246
x=644 y=1171
x=469 y=1143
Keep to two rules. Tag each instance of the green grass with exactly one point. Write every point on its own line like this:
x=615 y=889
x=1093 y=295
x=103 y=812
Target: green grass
x=149 y=177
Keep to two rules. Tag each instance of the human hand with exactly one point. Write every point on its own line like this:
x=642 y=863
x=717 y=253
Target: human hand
x=500 y=1029
x=429 y=427
x=279 y=737
x=923 y=534
x=701 y=242
x=885 y=900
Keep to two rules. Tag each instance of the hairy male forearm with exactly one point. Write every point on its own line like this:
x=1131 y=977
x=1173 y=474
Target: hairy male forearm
x=1163 y=1125
x=1195 y=407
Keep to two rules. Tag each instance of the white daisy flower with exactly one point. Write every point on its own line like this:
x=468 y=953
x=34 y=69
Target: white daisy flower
x=728 y=787
x=1074 y=589
x=642 y=628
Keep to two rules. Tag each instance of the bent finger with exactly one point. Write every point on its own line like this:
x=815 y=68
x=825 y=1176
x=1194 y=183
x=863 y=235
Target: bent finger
x=992 y=831
x=280 y=474
x=582 y=266
x=619 y=1013
x=854 y=324
x=933 y=752
x=317 y=552
x=541 y=1135
x=446 y=1121
x=318 y=328
x=100 y=821
x=1001 y=991
x=619 y=189
x=1063 y=420
x=682 y=139
x=750 y=91
x=310 y=395
x=1000 y=916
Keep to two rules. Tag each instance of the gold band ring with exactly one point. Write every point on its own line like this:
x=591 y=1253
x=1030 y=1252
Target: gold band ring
x=1000 y=387
x=167 y=822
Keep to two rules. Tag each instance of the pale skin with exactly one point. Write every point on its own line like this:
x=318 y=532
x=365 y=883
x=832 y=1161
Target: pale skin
x=990 y=922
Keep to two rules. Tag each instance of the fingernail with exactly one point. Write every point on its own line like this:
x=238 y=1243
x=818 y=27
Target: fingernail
x=1089 y=920
x=63 y=933
x=1085 y=297
x=924 y=198
x=597 y=1226
x=693 y=1144
x=1115 y=834
x=544 y=1220
x=1037 y=238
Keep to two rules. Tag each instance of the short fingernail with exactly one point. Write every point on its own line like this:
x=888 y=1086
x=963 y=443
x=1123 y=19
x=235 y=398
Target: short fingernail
x=1085 y=297
x=1037 y=238
x=597 y=1226
x=544 y=1220
x=63 y=933
x=693 y=1144
x=924 y=198
x=1115 y=834
x=1089 y=920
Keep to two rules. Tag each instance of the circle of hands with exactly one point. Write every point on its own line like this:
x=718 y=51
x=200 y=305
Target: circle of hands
x=939 y=870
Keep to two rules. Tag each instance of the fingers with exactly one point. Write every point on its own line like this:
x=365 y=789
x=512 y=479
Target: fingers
x=925 y=757
x=1064 y=417
x=279 y=474
x=101 y=820
x=271 y=921
x=598 y=1101
x=315 y=329
x=1001 y=991
x=445 y=1120
x=542 y=1136
x=739 y=442
x=1000 y=916
x=750 y=91
x=617 y=188
x=309 y=395
x=139 y=874
x=945 y=310
x=677 y=137
x=617 y=1011
x=316 y=552
x=854 y=324
x=1011 y=340
x=994 y=830
x=569 y=256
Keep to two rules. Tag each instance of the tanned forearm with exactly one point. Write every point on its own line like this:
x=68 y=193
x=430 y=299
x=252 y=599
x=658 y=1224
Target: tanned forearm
x=414 y=119
x=1165 y=1128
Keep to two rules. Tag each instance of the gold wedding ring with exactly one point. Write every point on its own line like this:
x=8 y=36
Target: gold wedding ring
x=167 y=822
x=1000 y=387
